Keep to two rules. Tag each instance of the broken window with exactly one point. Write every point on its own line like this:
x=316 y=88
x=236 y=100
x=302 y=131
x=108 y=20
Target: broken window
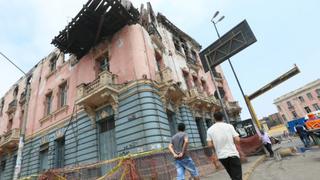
x=63 y=90
x=184 y=47
x=104 y=63
x=53 y=64
x=177 y=44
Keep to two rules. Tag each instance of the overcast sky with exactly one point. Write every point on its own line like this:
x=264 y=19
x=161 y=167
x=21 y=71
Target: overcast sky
x=287 y=32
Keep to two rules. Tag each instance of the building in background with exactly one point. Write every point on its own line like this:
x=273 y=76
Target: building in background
x=299 y=102
x=127 y=81
x=272 y=120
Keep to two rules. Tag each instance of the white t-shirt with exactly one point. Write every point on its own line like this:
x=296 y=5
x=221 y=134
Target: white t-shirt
x=222 y=134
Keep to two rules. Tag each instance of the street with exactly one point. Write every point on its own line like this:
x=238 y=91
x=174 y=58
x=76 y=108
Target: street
x=304 y=165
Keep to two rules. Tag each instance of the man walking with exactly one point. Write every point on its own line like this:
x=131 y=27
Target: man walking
x=222 y=137
x=303 y=134
x=267 y=142
x=178 y=148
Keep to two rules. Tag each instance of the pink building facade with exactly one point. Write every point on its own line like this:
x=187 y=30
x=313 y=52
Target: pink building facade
x=300 y=102
x=128 y=80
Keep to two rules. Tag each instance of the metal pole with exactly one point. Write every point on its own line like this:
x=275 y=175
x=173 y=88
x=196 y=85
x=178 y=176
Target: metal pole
x=218 y=92
x=17 y=169
x=235 y=75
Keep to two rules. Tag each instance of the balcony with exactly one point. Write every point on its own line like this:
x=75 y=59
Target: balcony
x=192 y=63
x=199 y=99
x=233 y=107
x=98 y=92
x=12 y=106
x=164 y=76
x=218 y=76
x=10 y=140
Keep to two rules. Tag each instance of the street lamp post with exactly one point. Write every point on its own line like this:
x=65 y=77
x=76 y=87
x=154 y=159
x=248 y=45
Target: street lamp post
x=17 y=169
x=233 y=71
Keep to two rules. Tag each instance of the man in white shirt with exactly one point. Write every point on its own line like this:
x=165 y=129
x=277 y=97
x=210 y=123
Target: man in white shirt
x=222 y=137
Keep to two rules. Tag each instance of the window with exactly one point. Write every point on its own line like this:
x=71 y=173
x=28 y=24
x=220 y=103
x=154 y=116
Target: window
x=316 y=107
x=3 y=165
x=186 y=80
x=185 y=48
x=63 y=91
x=53 y=64
x=15 y=92
x=309 y=95
x=318 y=92
x=193 y=55
x=104 y=63
x=9 y=126
x=201 y=131
x=209 y=123
x=308 y=110
x=48 y=103
x=172 y=122
x=301 y=99
x=59 y=147
x=279 y=108
x=289 y=104
x=43 y=156
x=295 y=115
x=176 y=43
x=1 y=106
x=284 y=117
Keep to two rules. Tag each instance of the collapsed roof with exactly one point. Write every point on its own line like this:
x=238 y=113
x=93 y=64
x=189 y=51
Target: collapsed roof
x=97 y=20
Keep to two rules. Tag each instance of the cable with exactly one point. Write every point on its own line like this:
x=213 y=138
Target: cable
x=13 y=63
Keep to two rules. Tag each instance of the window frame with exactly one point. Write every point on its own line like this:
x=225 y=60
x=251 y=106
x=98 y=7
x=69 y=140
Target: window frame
x=63 y=94
x=59 y=152
x=43 y=152
x=310 y=96
x=307 y=109
x=48 y=106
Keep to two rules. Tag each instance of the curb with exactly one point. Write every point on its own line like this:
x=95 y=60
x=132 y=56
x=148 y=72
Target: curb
x=248 y=173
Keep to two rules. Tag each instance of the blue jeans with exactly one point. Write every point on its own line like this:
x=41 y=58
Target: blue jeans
x=185 y=164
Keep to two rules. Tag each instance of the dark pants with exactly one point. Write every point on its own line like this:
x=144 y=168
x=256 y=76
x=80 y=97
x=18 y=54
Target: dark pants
x=269 y=148
x=233 y=167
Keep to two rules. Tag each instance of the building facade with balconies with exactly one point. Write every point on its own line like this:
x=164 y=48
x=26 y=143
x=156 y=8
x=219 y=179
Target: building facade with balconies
x=300 y=102
x=130 y=78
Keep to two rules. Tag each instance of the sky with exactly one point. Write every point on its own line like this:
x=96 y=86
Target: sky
x=287 y=33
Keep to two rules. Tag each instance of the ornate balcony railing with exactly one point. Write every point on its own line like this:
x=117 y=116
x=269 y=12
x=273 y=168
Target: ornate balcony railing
x=10 y=139
x=105 y=79
x=233 y=106
x=164 y=75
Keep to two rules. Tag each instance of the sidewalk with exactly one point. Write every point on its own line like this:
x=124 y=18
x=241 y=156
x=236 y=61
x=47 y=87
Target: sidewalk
x=247 y=169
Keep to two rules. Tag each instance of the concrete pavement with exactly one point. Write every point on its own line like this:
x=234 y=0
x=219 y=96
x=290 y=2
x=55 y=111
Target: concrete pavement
x=302 y=166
